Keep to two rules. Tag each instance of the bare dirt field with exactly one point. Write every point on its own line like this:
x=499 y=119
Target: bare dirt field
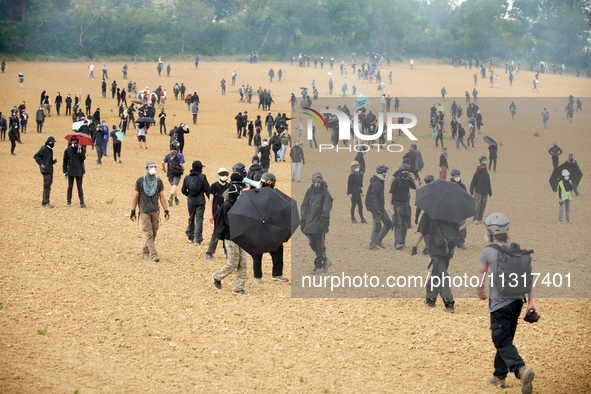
x=80 y=310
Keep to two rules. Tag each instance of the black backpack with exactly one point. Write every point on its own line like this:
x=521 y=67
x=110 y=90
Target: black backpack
x=446 y=235
x=513 y=278
x=174 y=166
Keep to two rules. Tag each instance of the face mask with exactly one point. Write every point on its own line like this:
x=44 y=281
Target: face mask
x=566 y=178
x=50 y=146
x=457 y=179
x=356 y=169
x=223 y=178
x=152 y=171
x=382 y=176
x=74 y=145
x=316 y=185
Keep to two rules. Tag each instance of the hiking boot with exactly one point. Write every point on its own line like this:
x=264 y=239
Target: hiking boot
x=189 y=240
x=83 y=205
x=398 y=246
x=216 y=283
x=317 y=271
x=145 y=256
x=450 y=308
x=497 y=382
x=170 y=201
x=258 y=281
x=176 y=200
x=241 y=292
x=374 y=248
x=430 y=302
x=198 y=243
x=353 y=221
x=48 y=205
x=327 y=264
x=381 y=245
x=156 y=259
x=527 y=376
x=363 y=221
x=68 y=204
x=209 y=256
x=280 y=279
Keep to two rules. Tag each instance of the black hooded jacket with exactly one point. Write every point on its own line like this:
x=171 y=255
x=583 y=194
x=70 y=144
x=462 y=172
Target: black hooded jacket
x=316 y=209
x=374 y=200
x=195 y=187
x=73 y=164
x=45 y=157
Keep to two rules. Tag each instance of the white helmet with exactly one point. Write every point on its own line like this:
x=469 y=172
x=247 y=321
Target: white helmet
x=565 y=172
x=497 y=223
x=223 y=174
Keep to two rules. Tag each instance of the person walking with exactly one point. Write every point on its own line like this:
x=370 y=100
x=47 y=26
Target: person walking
x=297 y=160
x=58 y=103
x=162 y=121
x=555 y=151
x=457 y=179
x=545 y=117
x=461 y=134
x=195 y=187
x=215 y=201
x=492 y=157
x=315 y=220
x=285 y=143
x=504 y=311
x=116 y=138
x=40 y=118
x=149 y=190
x=45 y=160
x=481 y=186
x=98 y=138
x=13 y=136
x=175 y=170
x=275 y=143
x=3 y=127
x=563 y=191
x=73 y=167
x=195 y=111
x=572 y=160
x=355 y=191
x=237 y=257
x=512 y=109
x=443 y=165
x=400 y=203
x=374 y=203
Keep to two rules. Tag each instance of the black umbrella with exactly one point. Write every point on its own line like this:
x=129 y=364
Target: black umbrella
x=574 y=176
x=443 y=200
x=145 y=120
x=489 y=140
x=262 y=219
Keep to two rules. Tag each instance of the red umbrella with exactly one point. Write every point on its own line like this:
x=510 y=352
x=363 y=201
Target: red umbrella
x=83 y=139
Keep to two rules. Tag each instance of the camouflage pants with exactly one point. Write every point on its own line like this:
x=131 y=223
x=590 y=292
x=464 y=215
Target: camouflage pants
x=237 y=260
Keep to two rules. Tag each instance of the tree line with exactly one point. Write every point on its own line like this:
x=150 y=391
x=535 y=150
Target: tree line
x=557 y=31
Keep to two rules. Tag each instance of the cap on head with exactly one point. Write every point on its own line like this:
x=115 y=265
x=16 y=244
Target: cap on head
x=455 y=172
x=317 y=174
x=429 y=178
x=150 y=163
x=236 y=177
x=255 y=160
x=221 y=170
x=482 y=158
x=404 y=167
x=50 y=139
x=197 y=164
x=497 y=223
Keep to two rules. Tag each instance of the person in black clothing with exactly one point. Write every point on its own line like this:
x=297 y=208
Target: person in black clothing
x=13 y=138
x=68 y=105
x=195 y=187
x=162 y=118
x=492 y=156
x=104 y=89
x=256 y=170
x=440 y=262
x=555 y=151
x=275 y=143
x=265 y=152
x=113 y=89
x=178 y=134
x=116 y=144
x=88 y=103
x=73 y=167
x=374 y=203
x=315 y=220
x=239 y=125
x=251 y=132
x=269 y=180
x=3 y=127
x=215 y=200
x=400 y=203
x=40 y=118
x=45 y=160
x=355 y=191
x=428 y=179
x=359 y=157
x=456 y=178
x=99 y=141
x=58 y=103
x=481 y=186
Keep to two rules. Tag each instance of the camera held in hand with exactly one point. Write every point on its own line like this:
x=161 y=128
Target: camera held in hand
x=531 y=316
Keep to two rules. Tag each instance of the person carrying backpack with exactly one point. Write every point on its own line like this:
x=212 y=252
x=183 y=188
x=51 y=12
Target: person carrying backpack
x=176 y=167
x=481 y=185
x=195 y=187
x=237 y=257
x=275 y=143
x=505 y=302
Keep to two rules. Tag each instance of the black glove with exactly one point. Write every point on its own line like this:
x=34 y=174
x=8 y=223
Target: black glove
x=166 y=215
x=42 y=166
x=133 y=216
x=413 y=251
x=54 y=161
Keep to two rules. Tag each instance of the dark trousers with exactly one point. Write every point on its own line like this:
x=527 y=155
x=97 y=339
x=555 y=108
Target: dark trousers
x=162 y=126
x=78 y=186
x=195 y=227
x=250 y=139
x=276 y=256
x=12 y=145
x=47 y=181
x=490 y=163
x=40 y=129
x=378 y=232
x=275 y=154
x=317 y=245
x=503 y=323
x=439 y=272
x=99 y=153
x=239 y=130
x=400 y=221
x=356 y=202
x=116 y=151
x=57 y=108
x=68 y=110
x=439 y=138
x=555 y=161
x=2 y=134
